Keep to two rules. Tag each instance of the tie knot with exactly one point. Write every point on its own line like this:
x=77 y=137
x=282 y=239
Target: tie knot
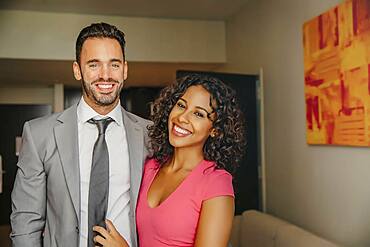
x=102 y=124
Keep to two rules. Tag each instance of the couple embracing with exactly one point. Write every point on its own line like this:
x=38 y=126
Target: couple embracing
x=97 y=175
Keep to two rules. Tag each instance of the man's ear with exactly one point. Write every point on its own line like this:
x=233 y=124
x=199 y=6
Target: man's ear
x=77 y=71
x=125 y=70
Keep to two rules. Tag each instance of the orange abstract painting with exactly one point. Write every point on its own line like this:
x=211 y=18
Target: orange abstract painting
x=337 y=75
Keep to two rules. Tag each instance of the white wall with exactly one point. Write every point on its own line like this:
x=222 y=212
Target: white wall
x=41 y=35
x=321 y=188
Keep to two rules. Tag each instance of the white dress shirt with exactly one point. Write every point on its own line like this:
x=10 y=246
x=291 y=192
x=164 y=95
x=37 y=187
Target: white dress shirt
x=119 y=169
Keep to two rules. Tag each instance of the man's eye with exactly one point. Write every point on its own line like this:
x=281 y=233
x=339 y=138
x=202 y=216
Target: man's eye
x=93 y=65
x=115 y=65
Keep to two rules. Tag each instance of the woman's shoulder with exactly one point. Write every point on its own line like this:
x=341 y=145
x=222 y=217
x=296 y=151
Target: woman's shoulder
x=210 y=170
x=151 y=163
x=216 y=182
x=150 y=169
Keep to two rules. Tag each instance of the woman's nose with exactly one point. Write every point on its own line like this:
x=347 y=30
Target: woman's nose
x=184 y=117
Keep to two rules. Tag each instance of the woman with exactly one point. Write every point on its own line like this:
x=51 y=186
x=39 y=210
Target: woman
x=186 y=196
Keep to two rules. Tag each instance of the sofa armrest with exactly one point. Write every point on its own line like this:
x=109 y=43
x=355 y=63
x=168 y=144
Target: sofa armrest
x=259 y=229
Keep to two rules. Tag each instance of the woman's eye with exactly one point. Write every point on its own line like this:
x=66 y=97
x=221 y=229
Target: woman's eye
x=181 y=105
x=199 y=114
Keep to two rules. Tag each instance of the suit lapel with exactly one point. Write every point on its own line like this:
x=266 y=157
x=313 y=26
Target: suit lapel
x=135 y=142
x=66 y=136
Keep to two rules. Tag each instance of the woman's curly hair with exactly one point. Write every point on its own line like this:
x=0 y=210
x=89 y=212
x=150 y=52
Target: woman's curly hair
x=227 y=147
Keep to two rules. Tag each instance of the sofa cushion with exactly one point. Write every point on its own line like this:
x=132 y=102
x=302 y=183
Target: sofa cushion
x=259 y=229
x=293 y=236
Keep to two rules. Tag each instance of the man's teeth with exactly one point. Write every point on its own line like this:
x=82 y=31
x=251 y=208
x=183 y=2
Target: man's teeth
x=182 y=131
x=105 y=86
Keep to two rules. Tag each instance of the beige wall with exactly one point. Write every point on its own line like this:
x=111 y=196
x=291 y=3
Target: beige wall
x=53 y=96
x=41 y=35
x=35 y=95
x=323 y=189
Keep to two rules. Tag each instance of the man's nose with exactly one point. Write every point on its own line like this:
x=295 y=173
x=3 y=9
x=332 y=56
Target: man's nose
x=104 y=72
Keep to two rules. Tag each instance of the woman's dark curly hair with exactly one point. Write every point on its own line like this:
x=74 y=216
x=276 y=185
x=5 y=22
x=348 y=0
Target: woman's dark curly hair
x=227 y=147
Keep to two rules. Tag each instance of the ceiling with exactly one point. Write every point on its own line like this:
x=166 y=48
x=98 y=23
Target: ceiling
x=30 y=73
x=182 y=9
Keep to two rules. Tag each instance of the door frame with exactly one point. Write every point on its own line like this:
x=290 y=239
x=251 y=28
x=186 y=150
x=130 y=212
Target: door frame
x=261 y=140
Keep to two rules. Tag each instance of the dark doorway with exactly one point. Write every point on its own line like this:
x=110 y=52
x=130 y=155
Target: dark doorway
x=138 y=99
x=246 y=183
x=12 y=119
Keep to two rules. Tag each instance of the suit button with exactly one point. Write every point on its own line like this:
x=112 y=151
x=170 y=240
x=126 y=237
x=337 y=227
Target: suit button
x=77 y=230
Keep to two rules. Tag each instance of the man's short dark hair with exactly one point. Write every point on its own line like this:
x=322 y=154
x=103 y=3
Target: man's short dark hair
x=99 y=30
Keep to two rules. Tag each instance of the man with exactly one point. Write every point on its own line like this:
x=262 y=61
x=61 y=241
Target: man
x=53 y=201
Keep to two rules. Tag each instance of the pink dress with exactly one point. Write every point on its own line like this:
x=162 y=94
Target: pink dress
x=174 y=222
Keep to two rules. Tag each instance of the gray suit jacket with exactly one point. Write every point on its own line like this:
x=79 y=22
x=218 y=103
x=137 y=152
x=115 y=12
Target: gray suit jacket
x=46 y=193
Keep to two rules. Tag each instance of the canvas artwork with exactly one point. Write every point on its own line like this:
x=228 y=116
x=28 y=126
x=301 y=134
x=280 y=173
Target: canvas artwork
x=337 y=75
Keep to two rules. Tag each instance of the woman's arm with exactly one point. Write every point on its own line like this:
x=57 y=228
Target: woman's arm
x=216 y=218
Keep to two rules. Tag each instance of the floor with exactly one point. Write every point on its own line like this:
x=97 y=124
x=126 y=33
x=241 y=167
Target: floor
x=4 y=236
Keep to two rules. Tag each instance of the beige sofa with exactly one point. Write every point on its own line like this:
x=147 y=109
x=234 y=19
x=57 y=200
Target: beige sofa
x=256 y=229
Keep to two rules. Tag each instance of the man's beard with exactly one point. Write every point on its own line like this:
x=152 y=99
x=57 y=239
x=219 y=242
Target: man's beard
x=101 y=99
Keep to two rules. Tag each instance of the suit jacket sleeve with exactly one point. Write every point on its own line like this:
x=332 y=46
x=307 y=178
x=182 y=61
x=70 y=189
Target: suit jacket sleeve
x=28 y=195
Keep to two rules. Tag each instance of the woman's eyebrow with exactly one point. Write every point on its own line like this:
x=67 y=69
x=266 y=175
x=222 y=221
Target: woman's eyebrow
x=183 y=100
x=198 y=107
x=201 y=108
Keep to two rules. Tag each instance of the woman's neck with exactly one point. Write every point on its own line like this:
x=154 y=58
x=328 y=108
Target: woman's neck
x=185 y=159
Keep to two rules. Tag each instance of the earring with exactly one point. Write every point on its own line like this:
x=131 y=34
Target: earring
x=213 y=134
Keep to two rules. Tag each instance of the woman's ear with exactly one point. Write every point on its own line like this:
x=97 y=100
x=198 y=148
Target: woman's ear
x=213 y=133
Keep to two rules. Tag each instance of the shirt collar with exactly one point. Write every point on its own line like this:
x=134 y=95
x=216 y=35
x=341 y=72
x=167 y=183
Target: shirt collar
x=85 y=113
